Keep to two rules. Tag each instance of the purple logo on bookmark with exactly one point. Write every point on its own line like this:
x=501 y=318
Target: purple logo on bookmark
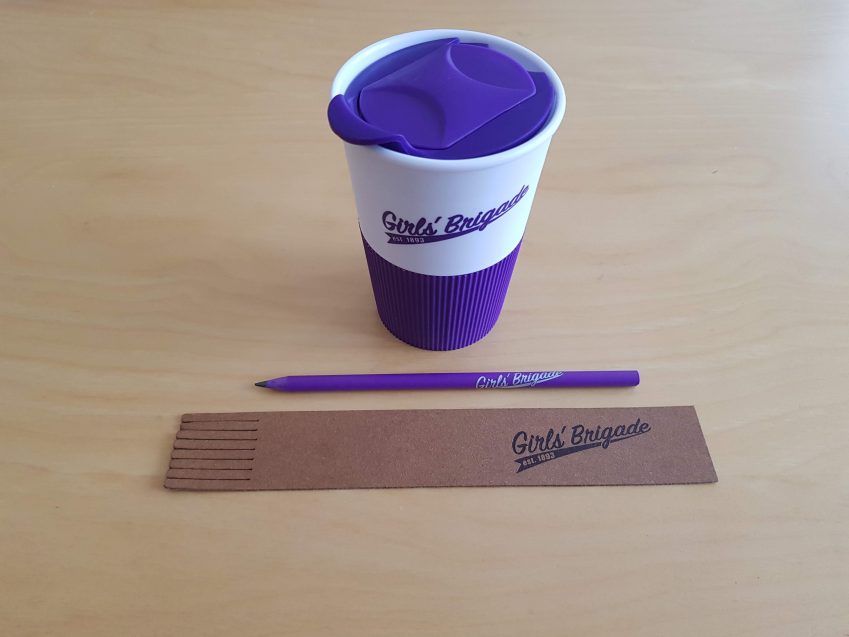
x=423 y=230
x=535 y=449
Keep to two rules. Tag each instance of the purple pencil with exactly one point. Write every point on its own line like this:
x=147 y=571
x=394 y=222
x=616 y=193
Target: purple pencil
x=463 y=380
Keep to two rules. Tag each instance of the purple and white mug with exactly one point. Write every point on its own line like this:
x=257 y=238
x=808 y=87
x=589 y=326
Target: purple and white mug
x=442 y=236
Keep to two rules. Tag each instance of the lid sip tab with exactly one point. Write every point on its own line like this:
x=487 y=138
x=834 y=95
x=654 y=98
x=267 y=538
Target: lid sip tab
x=443 y=99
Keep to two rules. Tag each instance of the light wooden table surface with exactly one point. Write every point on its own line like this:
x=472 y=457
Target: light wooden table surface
x=164 y=171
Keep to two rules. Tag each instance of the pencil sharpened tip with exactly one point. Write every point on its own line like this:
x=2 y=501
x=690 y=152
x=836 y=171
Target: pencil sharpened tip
x=262 y=383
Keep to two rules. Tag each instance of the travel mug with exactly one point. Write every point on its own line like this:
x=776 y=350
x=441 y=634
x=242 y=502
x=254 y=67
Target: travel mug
x=446 y=133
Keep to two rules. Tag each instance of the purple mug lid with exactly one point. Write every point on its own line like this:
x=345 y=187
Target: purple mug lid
x=443 y=99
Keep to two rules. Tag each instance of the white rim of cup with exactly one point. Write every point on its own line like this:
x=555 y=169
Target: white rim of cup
x=360 y=60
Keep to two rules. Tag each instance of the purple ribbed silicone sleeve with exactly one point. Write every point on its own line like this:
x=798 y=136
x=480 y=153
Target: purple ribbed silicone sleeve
x=439 y=312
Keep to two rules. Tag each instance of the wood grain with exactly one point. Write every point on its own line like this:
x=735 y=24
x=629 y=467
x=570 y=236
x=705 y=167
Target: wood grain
x=177 y=222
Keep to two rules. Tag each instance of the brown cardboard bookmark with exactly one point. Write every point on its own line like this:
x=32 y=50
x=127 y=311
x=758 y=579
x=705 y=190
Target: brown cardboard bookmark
x=439 y=448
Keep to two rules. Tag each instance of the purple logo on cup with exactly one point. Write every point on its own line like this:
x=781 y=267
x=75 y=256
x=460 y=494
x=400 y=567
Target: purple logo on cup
x=423 y=230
